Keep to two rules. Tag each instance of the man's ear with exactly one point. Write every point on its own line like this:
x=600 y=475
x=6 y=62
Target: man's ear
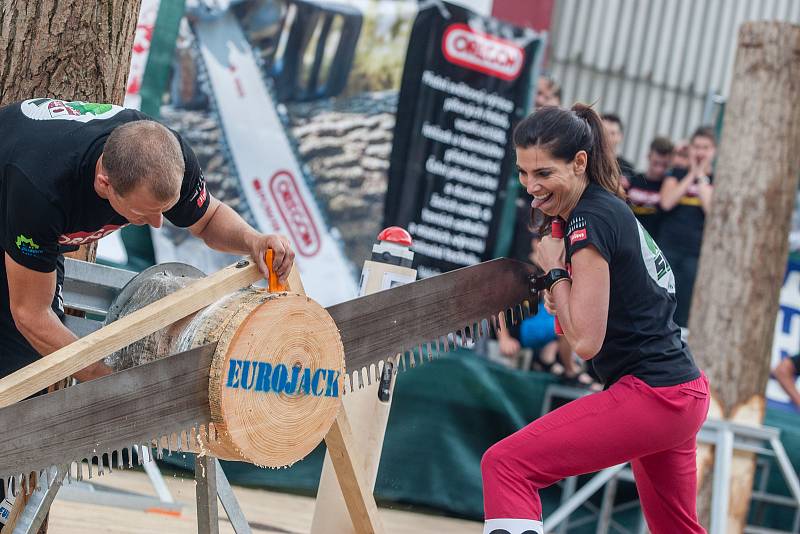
x=579 y=162
x=101 y=178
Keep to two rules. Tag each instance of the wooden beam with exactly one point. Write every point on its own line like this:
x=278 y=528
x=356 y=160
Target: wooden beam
x=342 y=450
x=357 y=496
x=97 y=345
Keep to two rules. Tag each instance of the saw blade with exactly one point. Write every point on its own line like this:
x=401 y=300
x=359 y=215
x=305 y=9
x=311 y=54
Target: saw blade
x=163 y=402
x=412 y=323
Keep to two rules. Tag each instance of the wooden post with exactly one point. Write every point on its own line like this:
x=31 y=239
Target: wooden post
x=745 y=244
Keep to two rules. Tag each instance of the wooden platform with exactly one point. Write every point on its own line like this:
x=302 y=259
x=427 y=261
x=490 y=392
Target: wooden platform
x=267 y=511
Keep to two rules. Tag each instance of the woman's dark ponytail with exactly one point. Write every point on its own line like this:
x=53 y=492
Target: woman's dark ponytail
x=602 y=167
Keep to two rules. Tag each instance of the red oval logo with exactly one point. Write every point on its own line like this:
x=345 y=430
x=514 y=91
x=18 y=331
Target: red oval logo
x=482 y=52
x=295 y=213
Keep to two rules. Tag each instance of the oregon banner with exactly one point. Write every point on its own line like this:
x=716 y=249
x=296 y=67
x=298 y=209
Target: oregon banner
x=466 y=83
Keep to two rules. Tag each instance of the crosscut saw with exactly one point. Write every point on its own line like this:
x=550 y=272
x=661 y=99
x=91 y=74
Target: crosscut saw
x=253 y=375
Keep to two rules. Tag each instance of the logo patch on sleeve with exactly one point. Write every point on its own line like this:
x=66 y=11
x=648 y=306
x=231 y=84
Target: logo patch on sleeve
x=577 y=230
x=577 y=235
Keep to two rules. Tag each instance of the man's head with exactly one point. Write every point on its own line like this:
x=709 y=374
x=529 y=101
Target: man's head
x=659 y=159
x=614 y=130
x=140 y=171
x=548 y=92
x=703 y=146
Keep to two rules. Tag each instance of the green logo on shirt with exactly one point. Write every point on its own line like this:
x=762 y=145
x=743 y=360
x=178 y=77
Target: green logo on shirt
x=49 y=108
x=27 y=245
x=657 y=266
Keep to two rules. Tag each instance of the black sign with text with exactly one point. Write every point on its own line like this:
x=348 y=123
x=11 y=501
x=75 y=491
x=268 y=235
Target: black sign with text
x=466 y=84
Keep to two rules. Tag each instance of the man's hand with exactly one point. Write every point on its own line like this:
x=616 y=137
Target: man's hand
x=283 y=255
x=96 y=370
x=508 y=346
x=223 y=229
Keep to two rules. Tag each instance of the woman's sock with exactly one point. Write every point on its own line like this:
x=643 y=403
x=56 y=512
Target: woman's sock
x=512 y=526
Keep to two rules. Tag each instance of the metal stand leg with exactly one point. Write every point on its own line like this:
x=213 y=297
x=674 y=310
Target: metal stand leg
x=723 y=456
x=607 y=508
x=570 y=484
x=157 y=480
x=205 y=473
x=581 y=496
x=229 y=502
x=38 y=506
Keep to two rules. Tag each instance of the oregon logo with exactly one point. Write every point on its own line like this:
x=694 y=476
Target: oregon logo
x=27 y=245
x=50 y=109
x=657 y=266
x=482 y=52
x=263 y=377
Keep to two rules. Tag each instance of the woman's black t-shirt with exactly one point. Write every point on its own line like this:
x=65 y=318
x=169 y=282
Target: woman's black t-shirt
x=641 y=338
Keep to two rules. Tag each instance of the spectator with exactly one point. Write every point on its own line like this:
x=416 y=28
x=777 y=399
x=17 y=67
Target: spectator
x=548 y=92
x=786 y=374
x=644 y=190
x=686 y=198
x=615 y=133
x=680 y=155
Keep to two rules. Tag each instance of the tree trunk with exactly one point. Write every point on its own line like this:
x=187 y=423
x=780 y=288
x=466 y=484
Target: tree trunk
x=745 y=245
x=73 y=49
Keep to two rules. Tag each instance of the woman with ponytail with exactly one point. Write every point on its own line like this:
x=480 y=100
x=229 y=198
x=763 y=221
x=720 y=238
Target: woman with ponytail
x=615 y=308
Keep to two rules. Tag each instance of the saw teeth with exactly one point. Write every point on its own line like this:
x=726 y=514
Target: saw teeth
x=466 y=337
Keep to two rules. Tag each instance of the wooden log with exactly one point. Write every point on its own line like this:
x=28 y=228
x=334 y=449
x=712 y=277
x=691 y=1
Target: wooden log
x=745 y=244
x=276 y=380
x=99 y=344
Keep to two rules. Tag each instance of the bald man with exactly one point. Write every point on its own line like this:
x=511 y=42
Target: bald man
x=72 y=173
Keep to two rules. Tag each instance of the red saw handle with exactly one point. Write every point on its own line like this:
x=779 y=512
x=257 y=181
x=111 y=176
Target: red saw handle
x=557 y=231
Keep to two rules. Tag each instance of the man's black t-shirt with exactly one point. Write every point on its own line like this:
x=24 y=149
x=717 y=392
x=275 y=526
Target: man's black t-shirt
x=641 y=338
x=48 y=203
x=47 y=179
x=682 y=226
x=644 y=196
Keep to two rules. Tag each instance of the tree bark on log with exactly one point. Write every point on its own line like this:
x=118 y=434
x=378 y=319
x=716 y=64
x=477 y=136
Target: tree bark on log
x=73 y=50
x=745 y=244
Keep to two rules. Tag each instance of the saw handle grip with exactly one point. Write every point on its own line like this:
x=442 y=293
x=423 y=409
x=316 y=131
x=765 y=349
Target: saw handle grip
x=273 y=284
x=557 y=231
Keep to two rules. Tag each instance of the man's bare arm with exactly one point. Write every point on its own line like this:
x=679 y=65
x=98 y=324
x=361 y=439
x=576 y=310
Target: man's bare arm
x=786 y=377
x=223 y=229
x=30 y=295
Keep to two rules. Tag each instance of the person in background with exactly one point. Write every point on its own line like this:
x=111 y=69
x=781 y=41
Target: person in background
x=615 y=133
x=686 y=199
x=548 y=92
x=786 y=373
x=644 y=189
x=680 y=155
